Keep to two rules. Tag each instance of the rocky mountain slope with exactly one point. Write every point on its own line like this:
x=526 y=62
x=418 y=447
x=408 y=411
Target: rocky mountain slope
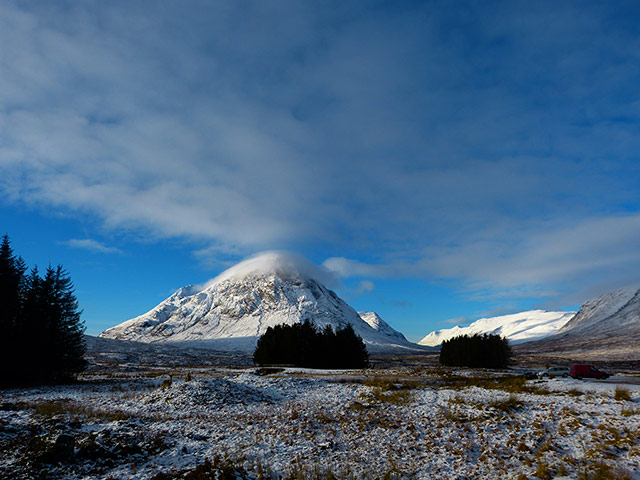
x=238 y=306
x=607 y=327
x=602 y=312
x=517 y=328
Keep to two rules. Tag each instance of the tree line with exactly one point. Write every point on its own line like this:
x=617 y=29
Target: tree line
x=41 y=333
x=303 y=345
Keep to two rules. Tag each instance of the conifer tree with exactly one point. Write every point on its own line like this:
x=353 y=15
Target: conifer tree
x=351 y=349
x=31 y=330
x=12 y=270
x=66 y=345
x=46 y=333
x=52 y=325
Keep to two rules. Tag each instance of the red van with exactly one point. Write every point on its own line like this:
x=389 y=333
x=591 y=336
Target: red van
x=586 y=371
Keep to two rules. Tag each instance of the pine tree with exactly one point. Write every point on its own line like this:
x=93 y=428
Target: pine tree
x=351 y=350
x=44 y=341
x=68 y=348
x=12 y=270
x=52 y=315
x=33 y=331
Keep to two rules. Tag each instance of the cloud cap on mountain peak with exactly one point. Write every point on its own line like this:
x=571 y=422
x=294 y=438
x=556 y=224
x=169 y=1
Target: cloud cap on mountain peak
x=273 y=261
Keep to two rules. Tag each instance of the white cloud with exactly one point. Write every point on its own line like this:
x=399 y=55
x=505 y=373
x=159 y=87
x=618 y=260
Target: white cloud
x=345 y=267
x=459 y=321
x=365 y=286
x=572 y=260
x=273 y=261
x=91 y=245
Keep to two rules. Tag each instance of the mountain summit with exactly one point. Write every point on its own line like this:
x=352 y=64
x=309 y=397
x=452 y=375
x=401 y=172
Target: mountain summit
x=234 y=309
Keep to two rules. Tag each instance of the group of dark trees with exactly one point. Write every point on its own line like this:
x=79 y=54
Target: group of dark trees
x=303 y=345
x=479 y=351
x=41 y=334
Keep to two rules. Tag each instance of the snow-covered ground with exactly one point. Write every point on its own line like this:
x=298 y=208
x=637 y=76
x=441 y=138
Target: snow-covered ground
x=402 y=423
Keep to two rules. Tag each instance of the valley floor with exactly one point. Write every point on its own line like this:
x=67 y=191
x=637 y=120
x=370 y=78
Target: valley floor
x=390 y=423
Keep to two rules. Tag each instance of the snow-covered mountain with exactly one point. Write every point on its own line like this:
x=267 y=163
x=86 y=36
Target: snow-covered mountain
x=235 y=308
x=603 y=312
x=517 y=328
x=607 y=327
x=379 y=325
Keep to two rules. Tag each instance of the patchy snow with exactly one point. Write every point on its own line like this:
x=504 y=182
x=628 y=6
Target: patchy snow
x=517 y=328
x=407 y=423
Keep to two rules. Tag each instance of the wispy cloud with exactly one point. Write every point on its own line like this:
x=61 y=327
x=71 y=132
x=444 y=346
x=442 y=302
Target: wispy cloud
x=365 y=286
x=460 y=321
x=578 y=258
x=401 y=303
x=91 y=245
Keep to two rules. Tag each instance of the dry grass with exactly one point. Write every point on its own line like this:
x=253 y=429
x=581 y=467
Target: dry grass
x=224 y=467
x=269 y=371
x=543 y=471
x=52 y=408
x=510 y=405
x=628 y=412
x=397 y=397
x=389 y=390
x=509 y=384
x=454 y=416
x=622 y=394
x=388 y=383
x=600 y=470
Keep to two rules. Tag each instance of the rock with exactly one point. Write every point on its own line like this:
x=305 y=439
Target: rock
x=64 y=448
x=93 y=451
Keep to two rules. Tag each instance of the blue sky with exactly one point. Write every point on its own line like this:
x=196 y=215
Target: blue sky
x=448 y=160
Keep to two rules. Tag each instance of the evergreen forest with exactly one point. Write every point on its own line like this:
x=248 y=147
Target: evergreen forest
x=303 y=345
x=41 y=333
x=478 y=351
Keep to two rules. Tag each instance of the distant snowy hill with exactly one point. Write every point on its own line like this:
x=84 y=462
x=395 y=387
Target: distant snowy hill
x=517 y=328
x=238 y=306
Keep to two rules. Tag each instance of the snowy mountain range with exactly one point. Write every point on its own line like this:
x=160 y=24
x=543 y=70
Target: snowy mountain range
x=235 y=308
x=517 y=328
